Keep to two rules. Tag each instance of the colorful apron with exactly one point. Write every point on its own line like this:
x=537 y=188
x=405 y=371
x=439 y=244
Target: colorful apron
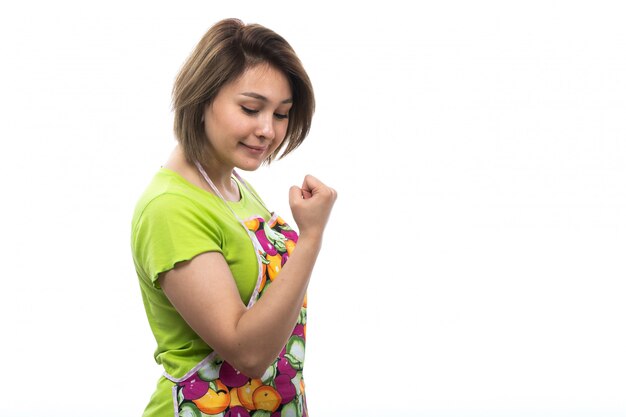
x=214 y=387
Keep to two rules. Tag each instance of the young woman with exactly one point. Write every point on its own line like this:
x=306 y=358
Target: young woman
x=223 y=279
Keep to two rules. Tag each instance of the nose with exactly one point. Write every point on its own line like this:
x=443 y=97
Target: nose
x=265 y=127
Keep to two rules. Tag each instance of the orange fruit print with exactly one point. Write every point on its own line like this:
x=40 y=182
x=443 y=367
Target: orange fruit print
x=214 y=402
x=280 y=391
x=245 y=392
x=266 y=398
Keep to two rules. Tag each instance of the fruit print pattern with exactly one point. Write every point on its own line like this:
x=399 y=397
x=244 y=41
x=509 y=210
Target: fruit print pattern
x=215 y=388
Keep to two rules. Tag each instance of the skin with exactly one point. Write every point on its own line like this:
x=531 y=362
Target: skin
x=244 y=124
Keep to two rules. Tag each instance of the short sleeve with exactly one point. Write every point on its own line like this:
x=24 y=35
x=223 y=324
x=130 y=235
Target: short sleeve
x=171 y=229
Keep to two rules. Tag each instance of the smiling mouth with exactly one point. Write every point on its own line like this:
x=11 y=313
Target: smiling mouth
x=256 y=149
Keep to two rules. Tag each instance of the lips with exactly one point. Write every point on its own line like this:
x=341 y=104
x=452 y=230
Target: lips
x=255 y=149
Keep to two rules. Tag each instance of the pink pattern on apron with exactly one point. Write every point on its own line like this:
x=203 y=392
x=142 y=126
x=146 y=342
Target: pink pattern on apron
x=214 y=387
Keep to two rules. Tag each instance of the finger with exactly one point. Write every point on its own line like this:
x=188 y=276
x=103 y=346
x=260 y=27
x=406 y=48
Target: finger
x=312 y=184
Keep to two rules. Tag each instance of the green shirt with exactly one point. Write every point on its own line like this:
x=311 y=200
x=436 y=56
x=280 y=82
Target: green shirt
x=174 y=221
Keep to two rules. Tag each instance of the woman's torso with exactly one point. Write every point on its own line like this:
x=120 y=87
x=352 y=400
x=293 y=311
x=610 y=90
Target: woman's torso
x=175 y=220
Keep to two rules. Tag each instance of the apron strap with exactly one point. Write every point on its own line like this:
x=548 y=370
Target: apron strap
x=241 y=180
x=251 y=191
x=253 y=238
x=214 y=188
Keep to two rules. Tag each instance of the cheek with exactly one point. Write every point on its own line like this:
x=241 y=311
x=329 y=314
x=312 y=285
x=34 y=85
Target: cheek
x=281 y=131
x=280 y=136
x=239 y=126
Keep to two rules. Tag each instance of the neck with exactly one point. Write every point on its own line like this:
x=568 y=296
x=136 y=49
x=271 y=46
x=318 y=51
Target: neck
x=221 y=178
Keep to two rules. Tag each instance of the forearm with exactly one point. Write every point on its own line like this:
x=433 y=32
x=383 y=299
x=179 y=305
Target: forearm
x=263 y=330
x=205 y=294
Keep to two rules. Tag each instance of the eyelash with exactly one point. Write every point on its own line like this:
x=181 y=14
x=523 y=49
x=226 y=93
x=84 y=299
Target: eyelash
x=252 y=112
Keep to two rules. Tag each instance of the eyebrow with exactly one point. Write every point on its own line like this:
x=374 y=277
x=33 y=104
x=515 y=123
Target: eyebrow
x=263 y=98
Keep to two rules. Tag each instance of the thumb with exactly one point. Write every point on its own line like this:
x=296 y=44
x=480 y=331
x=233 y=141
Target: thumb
x=295 y=194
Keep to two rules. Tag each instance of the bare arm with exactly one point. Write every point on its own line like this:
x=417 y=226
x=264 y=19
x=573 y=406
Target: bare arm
x=203 y=291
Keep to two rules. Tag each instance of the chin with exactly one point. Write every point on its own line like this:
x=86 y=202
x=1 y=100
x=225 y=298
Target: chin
x=250 y=166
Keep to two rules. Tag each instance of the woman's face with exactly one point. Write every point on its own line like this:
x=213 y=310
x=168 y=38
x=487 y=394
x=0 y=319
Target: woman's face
x=248 y=119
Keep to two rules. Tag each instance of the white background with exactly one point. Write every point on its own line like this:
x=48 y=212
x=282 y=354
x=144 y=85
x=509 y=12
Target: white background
x=474 y=264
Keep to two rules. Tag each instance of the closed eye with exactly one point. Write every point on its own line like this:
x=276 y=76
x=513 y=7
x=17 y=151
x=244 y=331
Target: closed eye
x=249 y=111
x=279 y=116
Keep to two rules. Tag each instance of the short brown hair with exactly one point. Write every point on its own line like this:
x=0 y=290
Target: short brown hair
x=222 y=55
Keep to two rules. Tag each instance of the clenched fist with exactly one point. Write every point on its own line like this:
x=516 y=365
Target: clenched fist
x=311 y=205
